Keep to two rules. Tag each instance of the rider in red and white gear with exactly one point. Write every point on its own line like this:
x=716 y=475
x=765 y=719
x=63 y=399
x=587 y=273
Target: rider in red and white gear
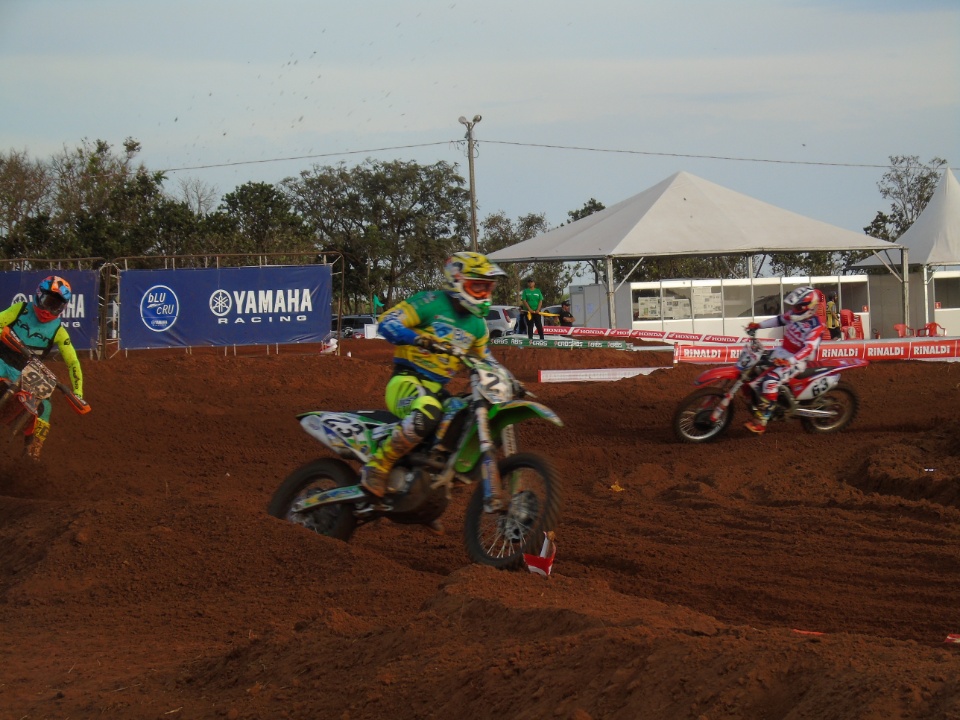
x=801 y=339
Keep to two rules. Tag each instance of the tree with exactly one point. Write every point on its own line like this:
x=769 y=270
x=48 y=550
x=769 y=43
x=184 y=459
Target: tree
x=395 y=223
x=262 y=220
x=101 y=200
x=909 y=185
x=199 y=196
x=25 y=202
x=498 y=232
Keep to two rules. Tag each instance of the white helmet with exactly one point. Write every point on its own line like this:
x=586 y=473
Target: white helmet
x=801 y=303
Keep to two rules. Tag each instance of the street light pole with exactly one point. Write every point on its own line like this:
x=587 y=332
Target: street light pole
x=473 y=192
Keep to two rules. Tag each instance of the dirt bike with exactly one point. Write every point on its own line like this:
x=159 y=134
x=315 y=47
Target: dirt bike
x=517 y=499
x=817 y=396
x=20 y=401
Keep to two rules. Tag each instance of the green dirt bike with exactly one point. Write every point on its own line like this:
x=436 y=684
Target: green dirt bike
x=517 y=499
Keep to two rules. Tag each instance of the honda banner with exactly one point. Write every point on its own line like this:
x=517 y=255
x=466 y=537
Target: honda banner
x=224 y=306
x=80 y=318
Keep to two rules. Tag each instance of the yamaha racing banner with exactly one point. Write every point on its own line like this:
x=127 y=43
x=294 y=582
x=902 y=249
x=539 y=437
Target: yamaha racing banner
x=81 y=317
x=224 y=306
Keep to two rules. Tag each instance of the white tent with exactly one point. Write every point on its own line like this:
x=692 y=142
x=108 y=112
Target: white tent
x=934 y=237
x=686 y=215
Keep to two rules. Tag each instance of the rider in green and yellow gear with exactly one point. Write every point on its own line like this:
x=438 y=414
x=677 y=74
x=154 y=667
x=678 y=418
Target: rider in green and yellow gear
x=452 y=317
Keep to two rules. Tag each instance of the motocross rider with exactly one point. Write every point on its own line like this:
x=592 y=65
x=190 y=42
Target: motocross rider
x=37 y=325
x=453 y=317
x=801 y=339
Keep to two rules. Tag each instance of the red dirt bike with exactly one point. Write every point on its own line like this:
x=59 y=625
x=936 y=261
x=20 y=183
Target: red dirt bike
x=20 y=402
x=817 y=397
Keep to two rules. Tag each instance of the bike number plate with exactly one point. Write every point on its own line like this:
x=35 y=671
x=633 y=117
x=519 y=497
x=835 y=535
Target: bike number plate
x=37 y=381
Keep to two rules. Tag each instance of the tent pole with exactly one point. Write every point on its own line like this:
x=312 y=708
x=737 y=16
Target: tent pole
x=610 y=304
x=904 y=254
x=926 y=298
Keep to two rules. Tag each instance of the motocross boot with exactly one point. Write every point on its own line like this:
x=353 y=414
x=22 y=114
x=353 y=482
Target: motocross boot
x=373 y=476
x=761 y=415
x=33 y=442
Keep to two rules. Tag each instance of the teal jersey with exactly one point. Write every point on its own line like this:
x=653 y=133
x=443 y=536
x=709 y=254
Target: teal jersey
x=433 y=313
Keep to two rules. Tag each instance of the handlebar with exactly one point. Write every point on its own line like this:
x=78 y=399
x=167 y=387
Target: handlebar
x=9 y=338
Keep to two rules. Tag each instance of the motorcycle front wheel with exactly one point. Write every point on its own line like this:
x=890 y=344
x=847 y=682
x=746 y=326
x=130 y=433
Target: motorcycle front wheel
x=841 y=401
x=336 y=520
x=530 y=507
x=691 y=421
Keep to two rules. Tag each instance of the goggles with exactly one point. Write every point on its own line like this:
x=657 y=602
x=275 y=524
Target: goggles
x=51 y=302
x=479 y=289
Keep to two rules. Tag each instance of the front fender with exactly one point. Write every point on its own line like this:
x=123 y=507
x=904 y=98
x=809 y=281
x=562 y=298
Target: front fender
x=501 y=417
x=719 y=374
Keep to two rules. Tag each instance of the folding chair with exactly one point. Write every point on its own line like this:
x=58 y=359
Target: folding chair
x=903 y=330
x=933 y=330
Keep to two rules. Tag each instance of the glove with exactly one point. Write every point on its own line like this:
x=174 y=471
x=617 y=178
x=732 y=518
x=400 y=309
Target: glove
x=753 y=327
x=519 y=390
x=431 y=344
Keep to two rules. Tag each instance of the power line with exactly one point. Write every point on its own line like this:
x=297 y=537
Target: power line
x=683 y=155
x=729 y=158
x=302 y=157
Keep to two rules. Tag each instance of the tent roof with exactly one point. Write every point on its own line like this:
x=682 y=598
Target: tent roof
x=934 y=237
x=686 y=215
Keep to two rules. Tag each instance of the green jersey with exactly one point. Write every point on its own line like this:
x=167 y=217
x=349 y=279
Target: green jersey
x=433 y=313
x=533 y=298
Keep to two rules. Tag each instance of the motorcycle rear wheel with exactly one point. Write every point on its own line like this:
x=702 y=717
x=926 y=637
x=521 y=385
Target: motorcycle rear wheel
x=531 y=507
x=691 y=421
x=336 y=520
x=840 y=399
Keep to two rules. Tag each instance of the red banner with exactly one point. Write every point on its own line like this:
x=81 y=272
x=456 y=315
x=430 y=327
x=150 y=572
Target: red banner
x=946 y=349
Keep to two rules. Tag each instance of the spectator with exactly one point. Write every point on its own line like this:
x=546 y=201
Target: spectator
x=833 y=318
x=531 y=303
x=566 y=318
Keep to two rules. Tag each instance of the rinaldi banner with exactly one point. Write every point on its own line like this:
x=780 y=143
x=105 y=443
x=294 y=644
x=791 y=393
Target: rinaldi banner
x=875 y=351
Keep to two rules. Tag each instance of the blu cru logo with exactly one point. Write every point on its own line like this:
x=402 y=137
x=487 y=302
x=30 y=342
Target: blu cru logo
x=159 y=308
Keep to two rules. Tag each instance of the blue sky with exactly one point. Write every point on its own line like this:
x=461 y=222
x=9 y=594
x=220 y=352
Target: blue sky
x=808 y=87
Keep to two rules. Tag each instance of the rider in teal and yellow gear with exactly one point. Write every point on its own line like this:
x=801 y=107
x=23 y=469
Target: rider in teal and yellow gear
x=37 y=325
x=452 y=317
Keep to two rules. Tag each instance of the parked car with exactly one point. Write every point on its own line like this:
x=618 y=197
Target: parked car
x=553 y=315
x=502 y=320
x=352 y=325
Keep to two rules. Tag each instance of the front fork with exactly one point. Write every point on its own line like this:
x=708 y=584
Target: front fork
x=492 y=490
x=720 y=409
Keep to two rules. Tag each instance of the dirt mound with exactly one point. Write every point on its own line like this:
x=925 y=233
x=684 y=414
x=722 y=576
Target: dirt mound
x=789 y=575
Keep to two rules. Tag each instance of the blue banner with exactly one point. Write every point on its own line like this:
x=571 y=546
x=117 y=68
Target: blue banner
x=81 y=317
x=225 y=306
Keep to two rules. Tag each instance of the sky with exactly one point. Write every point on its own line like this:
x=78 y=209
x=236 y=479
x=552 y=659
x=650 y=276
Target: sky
x=799 y=103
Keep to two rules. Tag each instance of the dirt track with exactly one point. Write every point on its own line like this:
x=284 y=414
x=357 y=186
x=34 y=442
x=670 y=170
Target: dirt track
x=140 y=576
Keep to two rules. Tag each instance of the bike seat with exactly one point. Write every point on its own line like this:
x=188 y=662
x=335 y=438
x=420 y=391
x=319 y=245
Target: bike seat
x=384 y=416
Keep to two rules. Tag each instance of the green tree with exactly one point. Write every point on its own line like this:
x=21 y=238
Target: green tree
x=498 y=232
x=395 y=222
x=101 y=201
x=259 y=218
x=909 y=185
x=25 y=203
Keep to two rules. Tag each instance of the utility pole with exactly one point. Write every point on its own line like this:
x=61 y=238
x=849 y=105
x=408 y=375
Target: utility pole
x=473 y=188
